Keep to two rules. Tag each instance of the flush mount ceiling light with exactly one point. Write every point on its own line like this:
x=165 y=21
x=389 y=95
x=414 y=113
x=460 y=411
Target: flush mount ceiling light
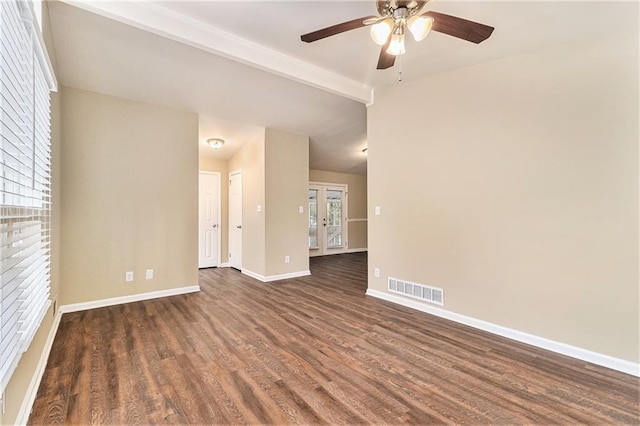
x=215 y=143
x=395 y=18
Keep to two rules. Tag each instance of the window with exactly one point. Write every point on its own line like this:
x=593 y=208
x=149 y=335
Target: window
x=25 y=182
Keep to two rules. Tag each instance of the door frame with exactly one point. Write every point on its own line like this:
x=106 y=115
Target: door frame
x=219 y=202
x=320 y=251
x=230 y=227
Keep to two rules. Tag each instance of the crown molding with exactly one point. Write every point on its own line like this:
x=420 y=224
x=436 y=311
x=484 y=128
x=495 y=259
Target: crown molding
x=152 y=17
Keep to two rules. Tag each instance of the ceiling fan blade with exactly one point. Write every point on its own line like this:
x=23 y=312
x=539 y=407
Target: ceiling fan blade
x=374 y=20
x=386 y=60
x=335 y=29
x=460 y=28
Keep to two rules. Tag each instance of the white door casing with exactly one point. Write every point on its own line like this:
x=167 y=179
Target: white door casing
x=235 y=220
x=209 y=215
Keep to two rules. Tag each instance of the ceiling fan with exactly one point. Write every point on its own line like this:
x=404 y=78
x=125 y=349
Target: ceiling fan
x=398 y=16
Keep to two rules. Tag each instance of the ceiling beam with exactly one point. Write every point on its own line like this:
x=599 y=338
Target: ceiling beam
x=152 y=17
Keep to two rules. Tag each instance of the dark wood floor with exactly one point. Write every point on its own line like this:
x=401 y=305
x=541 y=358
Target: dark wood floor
x=309 y=350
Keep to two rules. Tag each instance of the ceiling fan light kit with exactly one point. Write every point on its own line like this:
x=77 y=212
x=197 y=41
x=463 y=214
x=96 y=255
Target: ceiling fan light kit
x=420 y=26
x=396 y=45
x=397 y=16
x=380 y=32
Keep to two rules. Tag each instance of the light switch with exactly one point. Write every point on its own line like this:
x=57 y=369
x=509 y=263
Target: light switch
x=377 y=210
x=259 y=209
x=301 y=209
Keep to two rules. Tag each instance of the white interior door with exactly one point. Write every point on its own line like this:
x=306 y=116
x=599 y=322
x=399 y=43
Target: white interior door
x=235 y=220
x=327 y=219
x=209 y=229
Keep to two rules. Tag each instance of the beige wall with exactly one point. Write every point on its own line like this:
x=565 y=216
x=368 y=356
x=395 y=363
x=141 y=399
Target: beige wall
x=18 y=386
x=287 y=185
x=357 y=203
x=208 y=164
x=513 y=185
x=275 y=177
x=129 y=197
x=250 y=159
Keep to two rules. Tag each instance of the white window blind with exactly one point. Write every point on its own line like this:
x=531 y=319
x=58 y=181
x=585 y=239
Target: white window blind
x=25 y=182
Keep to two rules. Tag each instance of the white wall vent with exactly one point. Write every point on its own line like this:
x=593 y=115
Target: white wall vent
x=417 y=291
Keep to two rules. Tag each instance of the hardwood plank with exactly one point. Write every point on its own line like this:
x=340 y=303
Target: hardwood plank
x=311 y=350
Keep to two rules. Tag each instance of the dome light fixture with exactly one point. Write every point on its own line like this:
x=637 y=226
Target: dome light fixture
x=215 y=143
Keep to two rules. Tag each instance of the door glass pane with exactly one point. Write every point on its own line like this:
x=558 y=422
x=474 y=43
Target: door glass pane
x=334 y=219
x=313 y=218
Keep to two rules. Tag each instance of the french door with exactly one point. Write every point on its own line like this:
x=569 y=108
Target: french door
x=327 y=219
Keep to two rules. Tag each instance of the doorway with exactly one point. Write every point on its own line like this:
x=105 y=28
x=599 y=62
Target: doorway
x=327 y=219
x=208 y=220
x=235 y=220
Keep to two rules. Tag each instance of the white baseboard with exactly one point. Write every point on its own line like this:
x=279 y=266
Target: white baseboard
x=266 y=279
x=356 y=250
x=225 y=265
x=32 y=390
x=540 y=342
x=128 y=299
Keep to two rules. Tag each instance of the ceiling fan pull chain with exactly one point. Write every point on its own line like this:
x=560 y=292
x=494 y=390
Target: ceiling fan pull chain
x=399 y=69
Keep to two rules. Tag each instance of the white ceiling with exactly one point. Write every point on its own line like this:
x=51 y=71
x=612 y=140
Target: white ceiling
x=242 y=65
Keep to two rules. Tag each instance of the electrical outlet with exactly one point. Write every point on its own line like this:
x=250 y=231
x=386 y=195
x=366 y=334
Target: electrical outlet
x=376 y=272
x=287 y=259
x=148 y=274
x=301 y=209
x=128 y=277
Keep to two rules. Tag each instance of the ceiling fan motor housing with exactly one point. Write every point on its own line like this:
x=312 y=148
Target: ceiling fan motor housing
x=387 y=8
x=400 y=13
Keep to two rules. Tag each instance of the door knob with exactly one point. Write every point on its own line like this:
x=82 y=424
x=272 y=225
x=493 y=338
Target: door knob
x=239 y=226
x=215 y=226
